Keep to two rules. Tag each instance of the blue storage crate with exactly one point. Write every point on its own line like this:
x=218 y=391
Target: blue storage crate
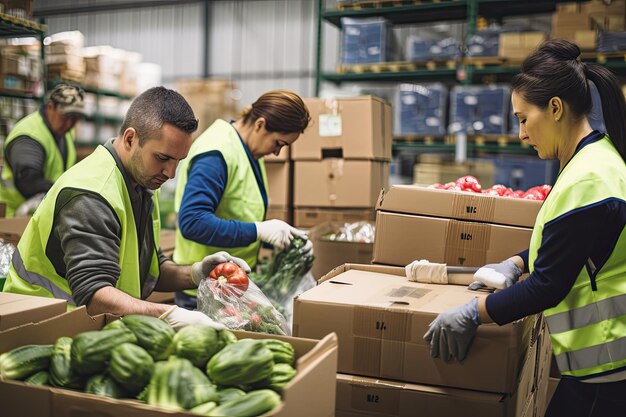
x=420 y=109
x=479 y=109
x=365 y=41
x=611 y=41
x=525 y=172
x=430 y=49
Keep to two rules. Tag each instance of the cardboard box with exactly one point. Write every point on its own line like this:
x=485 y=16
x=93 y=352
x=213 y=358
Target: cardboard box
x=410 y=199
x=19 y=309
x=311 y=393
x=380 y=319
x=280 y=213
x=517 y=45
x=544 y=359
x=341 y=183
x=604 y=7
x=366 y=397
x=428 y=173
x=565 y=24
x=278 y=183
x=311 y=217
x=11 y=229
x=351 y=128
x=402 y=238
x=330 y=254
x=586 y=39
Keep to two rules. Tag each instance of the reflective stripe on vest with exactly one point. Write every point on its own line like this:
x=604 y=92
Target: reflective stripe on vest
x=587 y=327
x=36 y=279
x=97 y=174
x=34 y=126
x=241 y=199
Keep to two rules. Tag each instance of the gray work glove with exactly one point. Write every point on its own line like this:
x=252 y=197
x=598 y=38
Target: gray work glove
x=498 y=276
x=452 y=332
x=178 y=317
x=202 y=269
x=278 y=233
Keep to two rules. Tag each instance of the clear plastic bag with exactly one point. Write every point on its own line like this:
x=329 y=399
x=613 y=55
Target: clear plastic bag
x=286 y=276
x=6 y=253
x=361 y=232
x=241 y=310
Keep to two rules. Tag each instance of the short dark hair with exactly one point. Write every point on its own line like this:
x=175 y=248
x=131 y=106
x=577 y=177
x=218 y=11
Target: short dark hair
x=555 y=70
x=156 y=106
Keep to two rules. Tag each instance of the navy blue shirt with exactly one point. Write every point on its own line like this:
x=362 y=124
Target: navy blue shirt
x=589 y=232
x=208 y=175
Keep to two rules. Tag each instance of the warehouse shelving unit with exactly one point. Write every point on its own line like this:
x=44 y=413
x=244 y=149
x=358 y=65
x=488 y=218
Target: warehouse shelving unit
x=465 y=72
x=13 y=27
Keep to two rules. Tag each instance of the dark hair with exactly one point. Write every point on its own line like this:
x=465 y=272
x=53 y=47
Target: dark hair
x=554 y=70
x=283 y=111
x=156 y=106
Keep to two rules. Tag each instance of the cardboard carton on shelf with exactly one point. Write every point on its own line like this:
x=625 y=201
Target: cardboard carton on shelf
x=12 y=229
x=380 y=318
x=351 y=128
x=339 y=183
x=310 y=394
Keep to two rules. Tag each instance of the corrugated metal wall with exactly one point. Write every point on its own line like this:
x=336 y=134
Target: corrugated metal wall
x=261 y=45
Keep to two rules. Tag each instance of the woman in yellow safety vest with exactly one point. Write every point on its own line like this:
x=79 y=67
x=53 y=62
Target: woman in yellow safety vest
x=221 y=194
x=577 y=254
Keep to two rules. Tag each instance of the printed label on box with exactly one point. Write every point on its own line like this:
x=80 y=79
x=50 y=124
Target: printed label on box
x=330 y=125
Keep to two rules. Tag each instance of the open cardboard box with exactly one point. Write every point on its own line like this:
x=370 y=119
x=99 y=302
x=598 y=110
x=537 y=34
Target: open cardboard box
x=19 y=309
x=311 y=393
x=380 y=318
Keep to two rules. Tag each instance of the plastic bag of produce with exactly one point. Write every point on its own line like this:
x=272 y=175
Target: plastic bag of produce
x=286 y=276
x=229 y=297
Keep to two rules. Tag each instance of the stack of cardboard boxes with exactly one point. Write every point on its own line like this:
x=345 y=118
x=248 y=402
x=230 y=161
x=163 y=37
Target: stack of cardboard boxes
x=64 y=57
x=210 y=100
x=341 y=162
x=380 y=317
x=20 y=68
x=104 y=67
x=579 y=22
x=385 y=368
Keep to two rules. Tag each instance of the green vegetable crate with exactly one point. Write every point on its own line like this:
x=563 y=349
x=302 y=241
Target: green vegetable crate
x=310 y=393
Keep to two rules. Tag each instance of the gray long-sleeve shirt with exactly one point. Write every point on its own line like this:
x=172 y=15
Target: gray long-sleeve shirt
x=85 y=243
x=27 y=157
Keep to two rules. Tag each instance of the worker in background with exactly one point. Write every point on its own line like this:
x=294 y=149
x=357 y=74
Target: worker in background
x=577 y=254
x=39 y=149
x=94 y=240
x=221 y=195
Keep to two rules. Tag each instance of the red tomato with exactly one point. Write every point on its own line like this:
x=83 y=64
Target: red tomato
x=499 y=189
x=469 y=183
x=255 y=320
x=437 y=186
x=230 y=279
x=533 y=195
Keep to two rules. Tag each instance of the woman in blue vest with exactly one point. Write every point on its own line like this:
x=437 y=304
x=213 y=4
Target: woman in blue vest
x=221 y=194
x=577 y=254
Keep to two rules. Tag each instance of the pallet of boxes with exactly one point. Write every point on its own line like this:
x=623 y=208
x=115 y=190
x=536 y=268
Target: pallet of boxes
x=341 y=162
x=380 y=317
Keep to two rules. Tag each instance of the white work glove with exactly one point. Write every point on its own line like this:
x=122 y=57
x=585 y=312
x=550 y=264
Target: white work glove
x=451 y=334
x=498 y=276
x=178 y=317
x=202 y=269
x=278 y=233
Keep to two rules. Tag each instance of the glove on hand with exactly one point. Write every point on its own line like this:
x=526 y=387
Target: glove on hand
x=498 y=276
x=202 y=269
x=178 y=318
x=452 y=332
x=277 y=233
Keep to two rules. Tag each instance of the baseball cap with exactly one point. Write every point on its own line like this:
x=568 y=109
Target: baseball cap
x=69 y=99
